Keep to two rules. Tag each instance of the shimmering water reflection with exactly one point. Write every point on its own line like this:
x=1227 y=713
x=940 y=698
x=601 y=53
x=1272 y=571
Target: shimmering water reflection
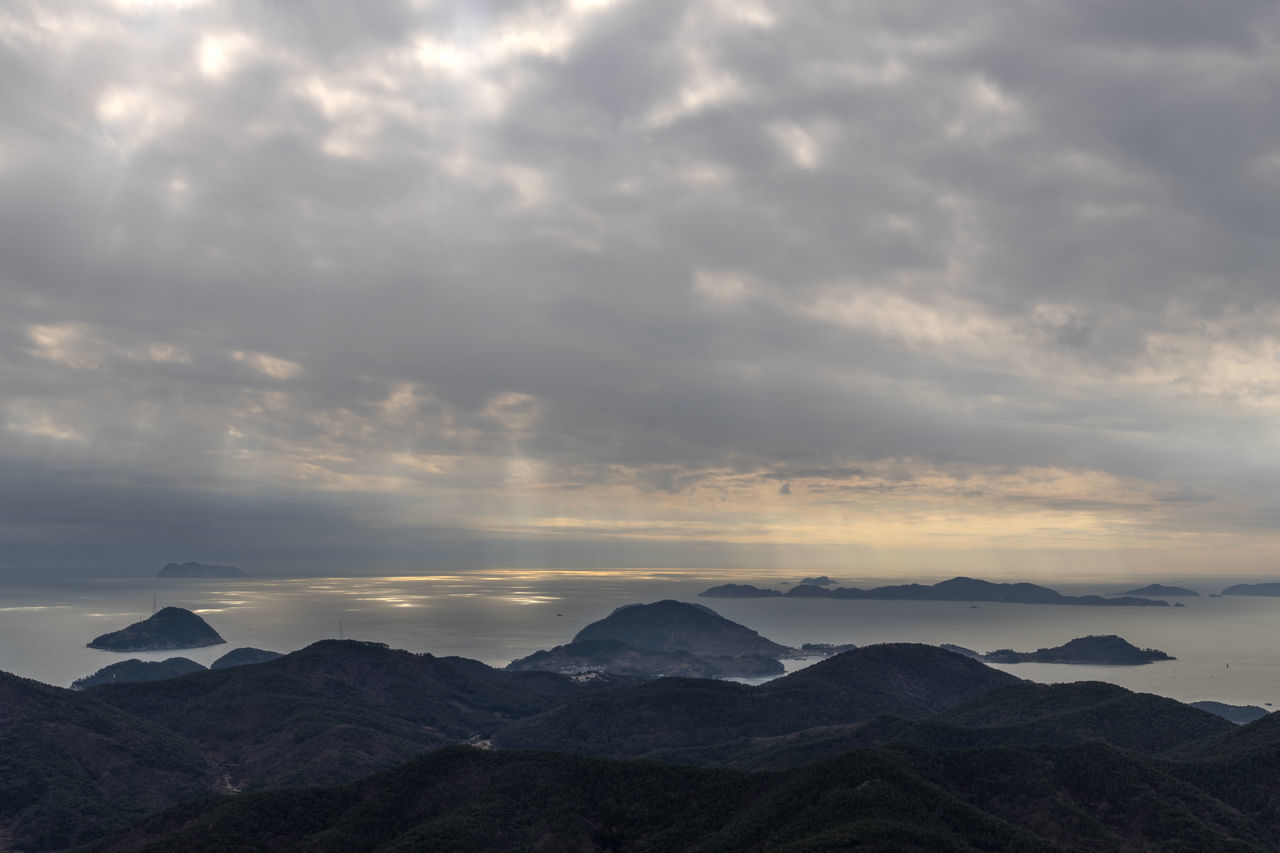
x=1225 y=646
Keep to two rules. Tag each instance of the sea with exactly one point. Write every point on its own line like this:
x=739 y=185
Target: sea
x=1226 y=648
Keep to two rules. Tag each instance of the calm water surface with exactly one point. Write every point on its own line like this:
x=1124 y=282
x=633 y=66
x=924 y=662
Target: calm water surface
x=1228 y=649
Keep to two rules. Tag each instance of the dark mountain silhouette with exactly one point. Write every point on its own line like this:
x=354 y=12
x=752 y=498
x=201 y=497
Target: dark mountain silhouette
x=243 y=656
x=137 y=670
x=1105 y=649
x=338 y=709
x=956 y=589
x=199 y=570
x=898 y=746
x=1017 y=715
x=617 y=656
x=72 y=767
x=1025 y=714
x=169 y=628
x=1084 y=797
x=675 y=713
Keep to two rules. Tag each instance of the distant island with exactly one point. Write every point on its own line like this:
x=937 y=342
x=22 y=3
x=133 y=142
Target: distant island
x=1161 y=589
x=1267 y=589
x=821 y=580
x=170 y=628
x=1105 y=649
x=134 y=670
x=199 y=570
x=956 y=589
x=740 y=590
x=664 y=638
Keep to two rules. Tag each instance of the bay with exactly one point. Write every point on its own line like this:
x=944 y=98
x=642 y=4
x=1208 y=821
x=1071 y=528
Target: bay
x=1225 y=647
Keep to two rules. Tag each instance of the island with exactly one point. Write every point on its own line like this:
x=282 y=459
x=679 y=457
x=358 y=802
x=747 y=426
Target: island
x=1267 y=589
x=199 y=570
x=1094 y=649
x=820 y=580
x=133 y=670
x=1161 y=589
x=169 y=628
x=665 y=638
x=956 y=589
x=243 y=657
x=739 y=590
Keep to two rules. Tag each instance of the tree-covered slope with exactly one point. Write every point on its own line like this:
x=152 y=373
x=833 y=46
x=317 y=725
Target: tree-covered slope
x=905 y=679
x=336 y=710
x=72 y=767
x=1087 y=797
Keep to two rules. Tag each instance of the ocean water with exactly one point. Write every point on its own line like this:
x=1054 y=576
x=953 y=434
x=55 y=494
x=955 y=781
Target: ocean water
x=1227 y=649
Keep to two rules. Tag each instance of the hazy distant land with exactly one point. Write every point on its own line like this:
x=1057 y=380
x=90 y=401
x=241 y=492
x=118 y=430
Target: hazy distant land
x=956 y=589
x=199 y=570
x=1266 y=589
x=1161 y=589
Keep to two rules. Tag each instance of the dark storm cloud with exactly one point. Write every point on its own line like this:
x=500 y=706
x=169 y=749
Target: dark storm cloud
x=393 y=265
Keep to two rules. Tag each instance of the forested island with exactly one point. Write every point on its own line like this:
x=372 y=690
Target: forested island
x=168 y=628
x=1099 y=649
x=1161 y=589
x=665 y=638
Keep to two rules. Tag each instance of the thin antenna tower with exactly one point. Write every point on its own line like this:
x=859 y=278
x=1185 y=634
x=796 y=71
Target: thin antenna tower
x=153 y=604
x=339 y=629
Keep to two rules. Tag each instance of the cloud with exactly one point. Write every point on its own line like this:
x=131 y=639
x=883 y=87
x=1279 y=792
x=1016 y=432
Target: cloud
x=644 y=267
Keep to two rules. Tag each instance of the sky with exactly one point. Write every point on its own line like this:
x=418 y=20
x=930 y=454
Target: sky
x=890 y=287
